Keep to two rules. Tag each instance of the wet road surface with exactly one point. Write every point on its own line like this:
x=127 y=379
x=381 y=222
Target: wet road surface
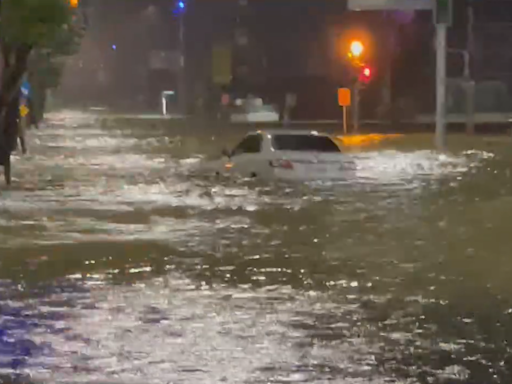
x=118 y=264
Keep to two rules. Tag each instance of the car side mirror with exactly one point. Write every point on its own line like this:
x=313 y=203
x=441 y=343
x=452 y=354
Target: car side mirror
x=226 y=153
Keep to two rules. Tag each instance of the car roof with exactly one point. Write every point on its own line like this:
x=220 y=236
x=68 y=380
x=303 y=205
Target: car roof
x=273 y=132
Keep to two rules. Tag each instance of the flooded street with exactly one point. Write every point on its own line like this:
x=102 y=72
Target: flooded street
x=120 y=264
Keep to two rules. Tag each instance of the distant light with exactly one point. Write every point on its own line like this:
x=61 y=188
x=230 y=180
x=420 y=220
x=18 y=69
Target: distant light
x=181 y=4
x=114 y=47
x=367 y=72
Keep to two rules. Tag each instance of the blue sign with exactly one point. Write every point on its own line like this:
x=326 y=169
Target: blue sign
x=25 y=88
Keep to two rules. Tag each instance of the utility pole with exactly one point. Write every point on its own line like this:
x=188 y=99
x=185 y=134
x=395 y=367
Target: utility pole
x=389 y=30
x=182 y=81
x=442 y=18
x=182 y=100
x=441 y=30
x=469 y=80
x=355 y=110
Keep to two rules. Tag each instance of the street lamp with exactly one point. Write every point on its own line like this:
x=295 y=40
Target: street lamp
x=181 y=10
x=356 y=49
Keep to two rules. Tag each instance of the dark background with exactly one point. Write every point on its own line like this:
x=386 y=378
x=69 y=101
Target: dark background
x=291 y=48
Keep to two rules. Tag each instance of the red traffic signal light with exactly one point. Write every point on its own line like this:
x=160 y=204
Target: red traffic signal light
x=366 y=74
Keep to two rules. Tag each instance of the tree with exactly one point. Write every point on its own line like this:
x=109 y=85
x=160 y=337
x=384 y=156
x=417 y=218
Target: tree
x=26 y=26
x=46 y=65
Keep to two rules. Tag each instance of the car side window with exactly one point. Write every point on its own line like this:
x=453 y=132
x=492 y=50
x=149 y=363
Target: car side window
x=251 y=144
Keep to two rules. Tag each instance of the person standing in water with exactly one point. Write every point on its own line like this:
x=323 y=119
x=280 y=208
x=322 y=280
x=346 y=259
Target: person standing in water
x=24 y=118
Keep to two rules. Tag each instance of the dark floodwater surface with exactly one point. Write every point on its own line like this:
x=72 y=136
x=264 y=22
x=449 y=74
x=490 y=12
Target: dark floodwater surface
x=118 y=265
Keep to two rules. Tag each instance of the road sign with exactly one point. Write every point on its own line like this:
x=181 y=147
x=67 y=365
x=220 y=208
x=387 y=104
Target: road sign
x=222 y=64
x=344 y=100
x=24 y=111
x=344 y=97
x=443 y=12
x=389 y=5
x=25 y=88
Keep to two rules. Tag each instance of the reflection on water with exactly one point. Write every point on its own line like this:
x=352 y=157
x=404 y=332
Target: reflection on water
x=118 y=266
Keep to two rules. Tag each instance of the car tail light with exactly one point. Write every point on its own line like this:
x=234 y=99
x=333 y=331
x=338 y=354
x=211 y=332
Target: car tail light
x=283 y=164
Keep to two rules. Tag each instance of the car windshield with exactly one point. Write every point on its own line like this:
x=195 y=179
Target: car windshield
x=307 y=143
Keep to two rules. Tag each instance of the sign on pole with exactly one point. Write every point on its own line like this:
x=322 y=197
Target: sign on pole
x=222 y=64
x=24 y=110
x=344 y=97
x=25 y=88
x=443 y=12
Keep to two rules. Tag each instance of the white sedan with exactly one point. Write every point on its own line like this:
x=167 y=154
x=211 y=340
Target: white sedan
x=285 y=154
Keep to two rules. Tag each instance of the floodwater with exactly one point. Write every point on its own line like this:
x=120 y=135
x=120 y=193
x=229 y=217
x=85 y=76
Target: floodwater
x=119 y=264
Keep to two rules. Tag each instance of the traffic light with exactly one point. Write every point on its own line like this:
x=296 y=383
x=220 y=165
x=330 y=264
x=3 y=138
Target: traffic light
x=74 y=3
x=443 y=12
x=365 y=75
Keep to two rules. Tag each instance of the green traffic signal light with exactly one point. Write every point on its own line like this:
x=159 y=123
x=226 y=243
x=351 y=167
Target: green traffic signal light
x=443 y=12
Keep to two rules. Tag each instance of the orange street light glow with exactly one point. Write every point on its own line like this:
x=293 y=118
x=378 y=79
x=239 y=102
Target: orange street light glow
x=356 y=48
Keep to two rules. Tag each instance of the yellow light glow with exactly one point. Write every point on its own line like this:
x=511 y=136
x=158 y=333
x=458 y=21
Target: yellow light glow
x=362 y=140
x=356 y=48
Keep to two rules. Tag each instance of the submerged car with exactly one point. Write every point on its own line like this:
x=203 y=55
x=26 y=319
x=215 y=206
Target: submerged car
x=285 y=154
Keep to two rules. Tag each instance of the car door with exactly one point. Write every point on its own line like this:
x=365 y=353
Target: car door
x=246 y=157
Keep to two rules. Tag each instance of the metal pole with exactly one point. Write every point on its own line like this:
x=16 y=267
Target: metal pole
x=182 y=97
x=356 y=107
x=441 y=86
x=345 y=120
x=390 y=41
x=470 y=84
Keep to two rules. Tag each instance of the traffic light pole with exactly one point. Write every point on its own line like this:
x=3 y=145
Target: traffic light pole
x=441 y=29
x=355 y=109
